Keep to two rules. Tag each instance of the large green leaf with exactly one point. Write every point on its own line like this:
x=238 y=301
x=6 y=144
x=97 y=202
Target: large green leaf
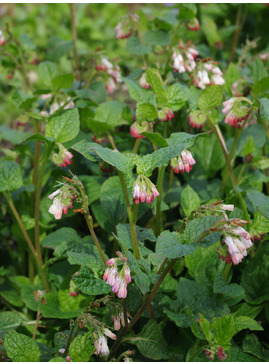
x=245 y=322
x=211 y=97
x=9 y=321
x=82 y=347
x=63 y=126
x=155 y=81
x=89 y=284
x=21 y=348
x=10 y=176
x=223 y=330
x=170 y=245
x=189 y=200
x=177 y=96
x=146 y=112
x=51 y=308
x=47 y=71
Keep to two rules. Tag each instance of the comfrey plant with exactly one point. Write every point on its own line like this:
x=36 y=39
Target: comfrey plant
x=135 y=196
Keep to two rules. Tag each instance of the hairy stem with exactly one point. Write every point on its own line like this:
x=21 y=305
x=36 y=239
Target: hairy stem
x=136 y=146
x=90 y=226
x=158 y=219
x=194 y=350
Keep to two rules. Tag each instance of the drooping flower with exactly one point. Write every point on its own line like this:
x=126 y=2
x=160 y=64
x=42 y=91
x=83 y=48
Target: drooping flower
x=235 y=113
x=118 y=320
x=63 y=158
x=207 y=73
x=124 y=28
x=143 y=81
x=182 y=163
x=110 y=85
x=193 y=24
x=137 y=128
x=118 y=280
x=197 y=119
x=101 y=347
x=166 y=114
x=2 y=38
x=264 y=56
x=62 y=200
x=183 y=58
x=144 y=190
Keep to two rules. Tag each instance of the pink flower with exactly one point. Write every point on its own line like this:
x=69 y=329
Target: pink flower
x=110 y=85
x=101 y=346
x=122 y=292
x=184 y=162
x=124 y=29
x=110 y=262
x=143 y=81
x=110 y=334
x=183 y=58
x=193 y=24
x=63 y=158
x=144 y=190
x=127 y=274
x=227 y=207
x=166 y=114
x=137 y=128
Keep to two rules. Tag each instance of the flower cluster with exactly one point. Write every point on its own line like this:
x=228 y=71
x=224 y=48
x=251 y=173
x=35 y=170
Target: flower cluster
x=62 y=200
x=143 y=81
x=240 y=88
x=144 y=190
x=118 y=320
x=237 y=240
x=63 y=158
x=124 y=29
x=137 y=128
x=2 y=38
x=166 y=114
x=193 y=24
x=210 y=353
x=118 y=280
x=113 y=73
x=207 y=73
x=100 y=342
x=183 y=58
x=235 y=113
x=197 y=119
x=182 y=163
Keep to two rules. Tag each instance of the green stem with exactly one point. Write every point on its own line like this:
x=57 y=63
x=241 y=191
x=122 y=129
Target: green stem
x=158 y=220
x=74 y=33
x=226 y=271
x=132 y=215
x=266 y=128
x=17 y=216
x=112 y=142
x=194 y=350
x=142 y=309
x=136 y=146
x=90 y=226
x=221 y=141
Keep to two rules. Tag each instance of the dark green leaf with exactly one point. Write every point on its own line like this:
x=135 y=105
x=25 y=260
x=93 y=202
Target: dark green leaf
x=21 y=348
x=10 y=176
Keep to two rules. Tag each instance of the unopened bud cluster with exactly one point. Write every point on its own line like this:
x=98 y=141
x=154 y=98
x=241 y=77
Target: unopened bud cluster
x=166 y=114
x=144 y=190
x=197 y=119
x=193 y=24
x=63 y=158
x=137 y=128
x=182 y=163
x=215 y=350
x=118 y=275
x=112 y=71
x=183 y=58
x=124 y=29
x=235 y=112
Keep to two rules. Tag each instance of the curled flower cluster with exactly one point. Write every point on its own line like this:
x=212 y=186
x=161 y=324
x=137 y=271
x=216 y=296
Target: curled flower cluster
x=210 y=353
x=113 y=72
x=207 y=73
x=193 y=24
x=166 y=114
x=143 y=81
x=237 y=241
x=182 y=163
x=137 y=128
x=144 y=190
x=183 y=58
x=63 y=158
x=118 y=320
x=235 y=113
x=124 y=28
x=197 y=119
x=62 y=200
x=118 y=280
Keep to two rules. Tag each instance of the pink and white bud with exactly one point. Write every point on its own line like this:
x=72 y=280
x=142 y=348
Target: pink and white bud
x=110 y=85
x=232 y=248
x=143 y=81
x=122 y=292
x=56 y=209
x=227 y=207
x=193 y=24
x=111 y=262
x=110 y=334
x=127 y=273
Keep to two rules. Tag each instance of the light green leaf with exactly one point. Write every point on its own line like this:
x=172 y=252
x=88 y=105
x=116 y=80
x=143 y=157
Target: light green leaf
x=82 y=347
x=210 y=98
x=52 y=309
x=249 y=147
x=156 y=139
x=62 y=81
x=245 y=322
x=135 y=90
x=223 y=329
x=21 y=348
x=146 y=112
x=157 y=38
x=177 y=96
x=134 y=46
x=155 y=81
x=46 y=72
x=10 y=176
x=189 y=200
x=63 y=126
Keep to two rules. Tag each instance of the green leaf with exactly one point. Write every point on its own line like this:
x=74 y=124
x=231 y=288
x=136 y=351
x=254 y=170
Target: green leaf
x=254 y=277
x=210 y=98
x=261 y=88
x=39 y=137
x=260 y=223
x=46 y=72
x=52 y=309
x=198 y=226
x=248 y=310
x=57 y=47
x=232 y=293
x=150 y=342
x=232 y=75
x=243 y=204
x=244 y=322
x=156 y=139
x=10 y=176
x=61 y=236
x=187 y=11
x=223 y=329
x=9 y=321
x=155 y=81
x=57 y=359
x=264 y=210
x=206 y=328
x=21 y=348
x=135 y=90
x=189 y=200
x=62 y=81
x=110 y=113
x=146 y=112
x=28 y=295
x=134 y=46
x=252 y=345
x=177 y=96
x=89 y=284
x=82 y=347
x=170 y=245
x=264 y=109
x=63 y=126
x=156 y=38
x=249 y=147
x=210 y=30
x=258 y=70
x=10 y=294
x=11 y=135
x=22 y=100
